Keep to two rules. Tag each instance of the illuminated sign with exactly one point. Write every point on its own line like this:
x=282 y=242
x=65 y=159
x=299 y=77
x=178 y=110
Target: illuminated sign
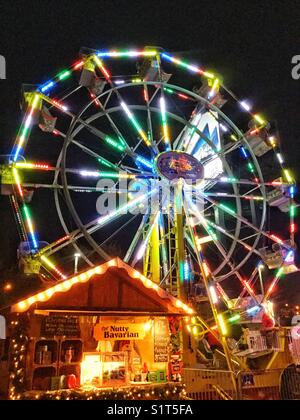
x=175 y=165
x=110 y=331
x=195 y=145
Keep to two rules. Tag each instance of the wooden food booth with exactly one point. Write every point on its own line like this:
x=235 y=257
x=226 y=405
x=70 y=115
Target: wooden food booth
x=108 y=331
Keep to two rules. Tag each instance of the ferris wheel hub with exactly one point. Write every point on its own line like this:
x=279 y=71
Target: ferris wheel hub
x=174 y=165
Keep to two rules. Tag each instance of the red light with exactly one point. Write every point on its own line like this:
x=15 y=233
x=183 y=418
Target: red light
x=248 y=287
x=183 y=96
x=293 y=228
x=276 y=239
x=78 y=65
x=146 y=95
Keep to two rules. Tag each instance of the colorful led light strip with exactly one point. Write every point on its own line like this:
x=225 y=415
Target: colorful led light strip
x=29 y=165
x=30 y=226
x=192 y=68
x=114 y=144
x=277 y=276
x=145 y=162
x=164 y=122
x=213 y=295
x=63 y=75
x=25 y=127
x=128 y=53
x=101 y=67
x=135 y=123
x=52 y=266
x=123 y=209
x=101 y=174
x=18 y=182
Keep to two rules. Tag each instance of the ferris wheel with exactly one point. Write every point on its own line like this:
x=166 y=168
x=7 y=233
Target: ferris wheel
x=142 y=155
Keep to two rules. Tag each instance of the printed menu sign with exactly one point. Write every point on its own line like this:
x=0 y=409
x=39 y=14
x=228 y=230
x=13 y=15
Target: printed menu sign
x=161 y=340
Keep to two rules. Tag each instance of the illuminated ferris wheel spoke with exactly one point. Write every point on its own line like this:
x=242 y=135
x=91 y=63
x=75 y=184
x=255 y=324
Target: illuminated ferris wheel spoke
x=136 y=238
x=242 y=219
x=126 y=109
x=204 y=222
x=98 y=223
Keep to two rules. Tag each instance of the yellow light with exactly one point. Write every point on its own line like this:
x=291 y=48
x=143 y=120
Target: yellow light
x=32 y=300
x=41 y=297
x=74 y=280
x=222 y=324
x=188 y=328
x=112 y=263
x=83 y=277
x=195 y=330
x=136 y=275
x=7 y=287
x=259 y=119
x=58 y=288
x=22 y=305
x=178 y=303
x=90 y=273
x=209 y=75
x=67 y=285
x=50 y=292
x=99 y=270
x=147 y=326
x=148 y=283
x=288 y=176
x=272 y=141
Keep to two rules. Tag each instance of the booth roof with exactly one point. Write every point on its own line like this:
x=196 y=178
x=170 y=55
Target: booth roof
x=110 y=288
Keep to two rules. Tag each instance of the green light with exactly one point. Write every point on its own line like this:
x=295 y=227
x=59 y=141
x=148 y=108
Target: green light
x=25 y=131
x=114 y=144
x=234 y=318
x=280 y=272
x=227 y=209
x=105 y=162
x=169 y=90
x=63 y=75
x=251 y=168
x=292 y=211
x=212 y=234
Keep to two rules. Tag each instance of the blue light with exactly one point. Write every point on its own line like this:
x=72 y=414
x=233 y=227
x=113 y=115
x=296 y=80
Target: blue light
x=47 y=86
x=166 y=56
x=252 y=310
x=145 y=162
x=292 y=192
x=103 y=54
x=186 y=270
x=244 y=152
x=34 y=240
x=16 y=155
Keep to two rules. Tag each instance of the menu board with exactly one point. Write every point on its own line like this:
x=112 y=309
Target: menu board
x=161 y=340
x=67 y=326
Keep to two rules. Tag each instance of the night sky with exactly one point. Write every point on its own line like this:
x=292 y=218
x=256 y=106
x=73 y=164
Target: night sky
x=251 y=46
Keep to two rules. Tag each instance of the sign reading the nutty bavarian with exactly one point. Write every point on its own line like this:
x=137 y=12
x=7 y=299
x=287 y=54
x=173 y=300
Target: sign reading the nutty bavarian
x=161 y=340
x=107 y=331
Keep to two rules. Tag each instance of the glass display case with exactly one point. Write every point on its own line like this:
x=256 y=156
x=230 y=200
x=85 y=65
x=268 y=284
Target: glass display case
x=104 y=369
